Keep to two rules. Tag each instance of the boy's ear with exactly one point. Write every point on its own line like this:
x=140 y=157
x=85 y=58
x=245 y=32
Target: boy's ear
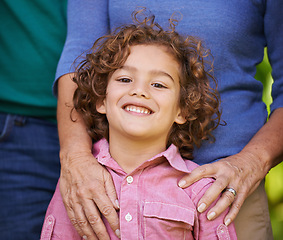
x=180 y=119
x=100 y=107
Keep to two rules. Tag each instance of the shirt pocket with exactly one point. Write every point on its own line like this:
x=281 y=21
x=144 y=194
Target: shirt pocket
x=167 y=221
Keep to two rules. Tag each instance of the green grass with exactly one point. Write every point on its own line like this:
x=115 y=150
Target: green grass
x=274 y=189
x=274 y=179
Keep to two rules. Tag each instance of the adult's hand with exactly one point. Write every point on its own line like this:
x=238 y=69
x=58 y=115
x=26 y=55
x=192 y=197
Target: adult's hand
x=243 y=172
x=87 y=190
x=238 y=172
x=86 y=187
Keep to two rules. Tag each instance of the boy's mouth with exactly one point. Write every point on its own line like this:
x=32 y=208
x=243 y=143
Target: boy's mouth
x=137 y=109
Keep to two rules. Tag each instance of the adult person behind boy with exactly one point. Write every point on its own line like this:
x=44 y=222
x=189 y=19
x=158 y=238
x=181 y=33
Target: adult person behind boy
x=245 y=150
x=32 y=34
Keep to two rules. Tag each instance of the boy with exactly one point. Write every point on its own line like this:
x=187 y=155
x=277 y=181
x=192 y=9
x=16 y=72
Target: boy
x=146 y=100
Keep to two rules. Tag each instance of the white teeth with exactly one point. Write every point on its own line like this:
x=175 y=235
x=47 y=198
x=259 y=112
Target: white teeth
x=137 y=109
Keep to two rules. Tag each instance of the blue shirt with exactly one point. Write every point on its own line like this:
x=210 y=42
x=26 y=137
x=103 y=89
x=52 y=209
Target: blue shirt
x=236 y=31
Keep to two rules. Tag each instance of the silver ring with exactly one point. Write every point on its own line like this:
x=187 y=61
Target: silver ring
x=231 y=190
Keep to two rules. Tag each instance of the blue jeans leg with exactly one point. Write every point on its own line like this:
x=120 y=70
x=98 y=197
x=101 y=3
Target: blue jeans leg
x=29 y=170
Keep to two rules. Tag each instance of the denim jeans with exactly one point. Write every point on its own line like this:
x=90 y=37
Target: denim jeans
x=29 y=170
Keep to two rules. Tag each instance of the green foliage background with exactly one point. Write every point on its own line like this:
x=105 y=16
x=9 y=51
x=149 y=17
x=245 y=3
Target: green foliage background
x=274 y=179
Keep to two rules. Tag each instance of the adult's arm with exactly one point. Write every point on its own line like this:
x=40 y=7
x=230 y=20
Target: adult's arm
x=86 y=187
x=245 y=170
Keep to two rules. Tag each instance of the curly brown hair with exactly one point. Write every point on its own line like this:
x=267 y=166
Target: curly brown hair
x=199 y=99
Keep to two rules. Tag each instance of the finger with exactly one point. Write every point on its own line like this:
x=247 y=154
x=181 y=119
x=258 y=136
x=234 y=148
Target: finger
x=90 y=208
x=81 y=223
x=73 y=219
x=98 y=203
x=95 y=221
x=107 y=209
x=110 y=190
x=226 y=199
x=93 y=215
x=69 y=206
x=234 y=210
x=75 y=213
x=212 y=193
x=207 y=170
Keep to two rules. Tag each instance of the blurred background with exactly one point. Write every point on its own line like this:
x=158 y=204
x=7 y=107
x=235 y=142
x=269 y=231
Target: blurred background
x=274 y=179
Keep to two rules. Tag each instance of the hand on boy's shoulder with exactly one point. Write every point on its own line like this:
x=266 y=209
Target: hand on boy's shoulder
x=201 y=185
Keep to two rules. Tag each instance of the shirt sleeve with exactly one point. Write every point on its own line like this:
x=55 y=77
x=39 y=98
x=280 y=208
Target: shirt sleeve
x=87 y=20
x=57 y=224
x=205 y=229
x=273 y=27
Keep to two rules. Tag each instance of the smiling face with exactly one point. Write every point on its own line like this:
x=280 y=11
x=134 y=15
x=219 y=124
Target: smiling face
x=142 y=97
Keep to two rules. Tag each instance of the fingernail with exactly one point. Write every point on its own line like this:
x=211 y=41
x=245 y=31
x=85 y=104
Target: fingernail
x=182 y=183
x=117 y=203
x=201 y=207
x=211 y=215
x=85 y=237
x=227 y=222
x=117 y=232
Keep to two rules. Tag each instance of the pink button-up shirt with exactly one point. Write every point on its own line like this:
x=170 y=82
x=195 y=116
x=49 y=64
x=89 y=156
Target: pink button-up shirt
x=152 y=206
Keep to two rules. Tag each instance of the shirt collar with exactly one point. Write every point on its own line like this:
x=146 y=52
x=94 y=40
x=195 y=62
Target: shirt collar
x=171 y=154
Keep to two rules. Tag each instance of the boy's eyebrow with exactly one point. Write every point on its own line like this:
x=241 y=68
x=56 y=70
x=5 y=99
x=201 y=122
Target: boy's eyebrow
x=154 y=72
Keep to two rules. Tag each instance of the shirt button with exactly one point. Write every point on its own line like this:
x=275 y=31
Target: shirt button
x=128 y=217
x=130 y=179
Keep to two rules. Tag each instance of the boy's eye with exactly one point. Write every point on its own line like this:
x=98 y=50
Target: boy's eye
x=125 y=80
x=158 y=85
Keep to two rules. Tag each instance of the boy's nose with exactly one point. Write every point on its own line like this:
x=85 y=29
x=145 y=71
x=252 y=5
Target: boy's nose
x=139 y=90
